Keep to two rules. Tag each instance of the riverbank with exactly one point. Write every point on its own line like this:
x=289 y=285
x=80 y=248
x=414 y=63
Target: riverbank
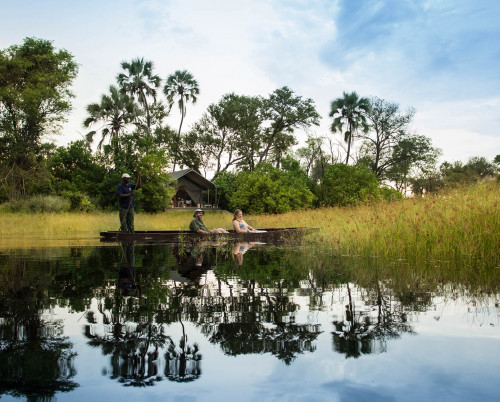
x=463 y=224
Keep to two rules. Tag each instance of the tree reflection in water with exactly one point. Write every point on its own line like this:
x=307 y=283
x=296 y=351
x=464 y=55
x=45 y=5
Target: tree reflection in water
x=261 y=317
x=362 y=332
x=36 y=361
x=129 y=331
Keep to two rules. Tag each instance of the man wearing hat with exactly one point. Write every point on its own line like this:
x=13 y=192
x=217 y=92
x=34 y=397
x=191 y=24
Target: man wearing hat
x=198 y=226
x=126 y=192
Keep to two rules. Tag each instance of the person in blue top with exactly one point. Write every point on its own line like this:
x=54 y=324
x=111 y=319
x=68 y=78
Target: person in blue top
x=126 y=192
x=240 y=226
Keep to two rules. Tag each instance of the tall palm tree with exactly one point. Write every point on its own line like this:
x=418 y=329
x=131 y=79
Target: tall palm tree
x=116 y=111
x=349 y=111
x=182 y=86
x=139 y=82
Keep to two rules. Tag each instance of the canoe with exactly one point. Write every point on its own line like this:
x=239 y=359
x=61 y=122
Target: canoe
x=268 y=235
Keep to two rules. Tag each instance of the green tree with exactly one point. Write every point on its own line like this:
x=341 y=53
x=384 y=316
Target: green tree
x=412 y=156
x=312 y=154
x=116 y=111
x=347 y=185
x=388 y=127
x=457 y=173
x=226 y=186
x=140 y=82
x=74 y=168
x=284 y=112
x=270 y=190
x=229 y=132
x=182 y=86
x=35 y=95
x=349 y=112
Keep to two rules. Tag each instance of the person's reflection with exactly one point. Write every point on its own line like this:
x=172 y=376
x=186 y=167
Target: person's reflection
x=126 y=275
x=194 y=261
x=239 y=249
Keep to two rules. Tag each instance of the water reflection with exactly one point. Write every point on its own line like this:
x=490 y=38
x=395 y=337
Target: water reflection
x=36 y=360
x=155 y=312
x=365 y=331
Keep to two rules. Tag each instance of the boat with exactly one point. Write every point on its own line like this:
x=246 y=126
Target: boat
x=267 y=235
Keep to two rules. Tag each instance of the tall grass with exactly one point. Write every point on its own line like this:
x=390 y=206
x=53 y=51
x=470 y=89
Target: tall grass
x=462 y=225
x=36 y=224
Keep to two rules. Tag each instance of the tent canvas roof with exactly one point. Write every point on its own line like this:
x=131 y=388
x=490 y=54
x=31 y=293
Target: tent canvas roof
x=193 y=177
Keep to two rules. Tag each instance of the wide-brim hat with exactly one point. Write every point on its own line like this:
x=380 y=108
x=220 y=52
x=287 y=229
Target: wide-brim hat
x=198 y=210
x=125 y=176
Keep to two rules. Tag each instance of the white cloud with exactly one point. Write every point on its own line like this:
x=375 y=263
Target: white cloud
x=429 y=57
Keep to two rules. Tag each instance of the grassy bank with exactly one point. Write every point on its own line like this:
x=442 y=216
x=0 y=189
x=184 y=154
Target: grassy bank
x=460 y=225
x=26 y=224
x=463 y=224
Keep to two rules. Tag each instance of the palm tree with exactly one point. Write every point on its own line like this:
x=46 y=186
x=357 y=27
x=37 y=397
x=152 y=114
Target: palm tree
x=350 y=110
x=140 y=82
x=116 y=110
x=182 y=86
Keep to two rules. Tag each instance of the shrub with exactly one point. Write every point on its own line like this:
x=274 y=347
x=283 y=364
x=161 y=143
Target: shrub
x=270 y=190
x=347 y=185
x=39 y=203
x=78 y=201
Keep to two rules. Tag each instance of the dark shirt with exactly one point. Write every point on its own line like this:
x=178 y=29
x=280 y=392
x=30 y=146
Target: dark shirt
x=197 y=224
x=123 y=188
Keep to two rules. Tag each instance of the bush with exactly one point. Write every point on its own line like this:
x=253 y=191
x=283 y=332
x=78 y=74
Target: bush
x=390 y=194
x=226 y=185
x=39 y=203
x=270 y=190
x=347 y=185
x=78 y=201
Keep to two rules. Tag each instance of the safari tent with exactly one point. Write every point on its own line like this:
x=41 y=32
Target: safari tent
x=193 y=190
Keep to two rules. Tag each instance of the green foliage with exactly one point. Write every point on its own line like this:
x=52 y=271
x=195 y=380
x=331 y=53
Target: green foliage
x=139 y=82
x=347 y=185
x=16 y=182
x=116 y=111
x=475 y=169
x=226 y=185
x=349 y=112
x=34 y=97
x=270 y=190
x=75 y=169
x=285 y=112
x=390 y=194
x=157 y=186
x=39 y=203
x=78 y=201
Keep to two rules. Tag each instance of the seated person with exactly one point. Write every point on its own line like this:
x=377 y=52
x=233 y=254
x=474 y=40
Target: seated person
x=198 y=226
x=240 y=226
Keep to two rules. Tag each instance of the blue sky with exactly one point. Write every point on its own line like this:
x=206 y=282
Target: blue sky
x=441 y=57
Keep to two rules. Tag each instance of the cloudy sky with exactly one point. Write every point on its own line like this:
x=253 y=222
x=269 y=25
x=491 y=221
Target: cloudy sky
x=441 y=57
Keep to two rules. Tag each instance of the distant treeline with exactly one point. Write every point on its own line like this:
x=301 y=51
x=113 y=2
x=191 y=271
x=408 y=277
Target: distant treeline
x=246 y=144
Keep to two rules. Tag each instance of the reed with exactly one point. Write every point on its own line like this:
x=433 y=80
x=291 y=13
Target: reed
x=462 y=226
x=36 y=224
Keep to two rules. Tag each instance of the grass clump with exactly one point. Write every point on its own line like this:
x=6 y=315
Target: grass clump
x=38 y=204
x=463 y=224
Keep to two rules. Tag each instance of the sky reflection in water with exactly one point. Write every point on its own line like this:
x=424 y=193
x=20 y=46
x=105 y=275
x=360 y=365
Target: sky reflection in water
x=246 y=322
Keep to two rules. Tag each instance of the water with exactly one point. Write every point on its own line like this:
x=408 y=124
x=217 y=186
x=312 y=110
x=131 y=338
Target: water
x=240 y=322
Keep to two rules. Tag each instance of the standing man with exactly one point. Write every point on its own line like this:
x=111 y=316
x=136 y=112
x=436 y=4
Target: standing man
x=126 y=192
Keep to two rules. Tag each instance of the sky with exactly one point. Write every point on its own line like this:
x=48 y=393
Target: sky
x=441 y=57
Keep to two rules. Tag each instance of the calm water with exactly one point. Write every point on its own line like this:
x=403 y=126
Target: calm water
x=239 y=322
